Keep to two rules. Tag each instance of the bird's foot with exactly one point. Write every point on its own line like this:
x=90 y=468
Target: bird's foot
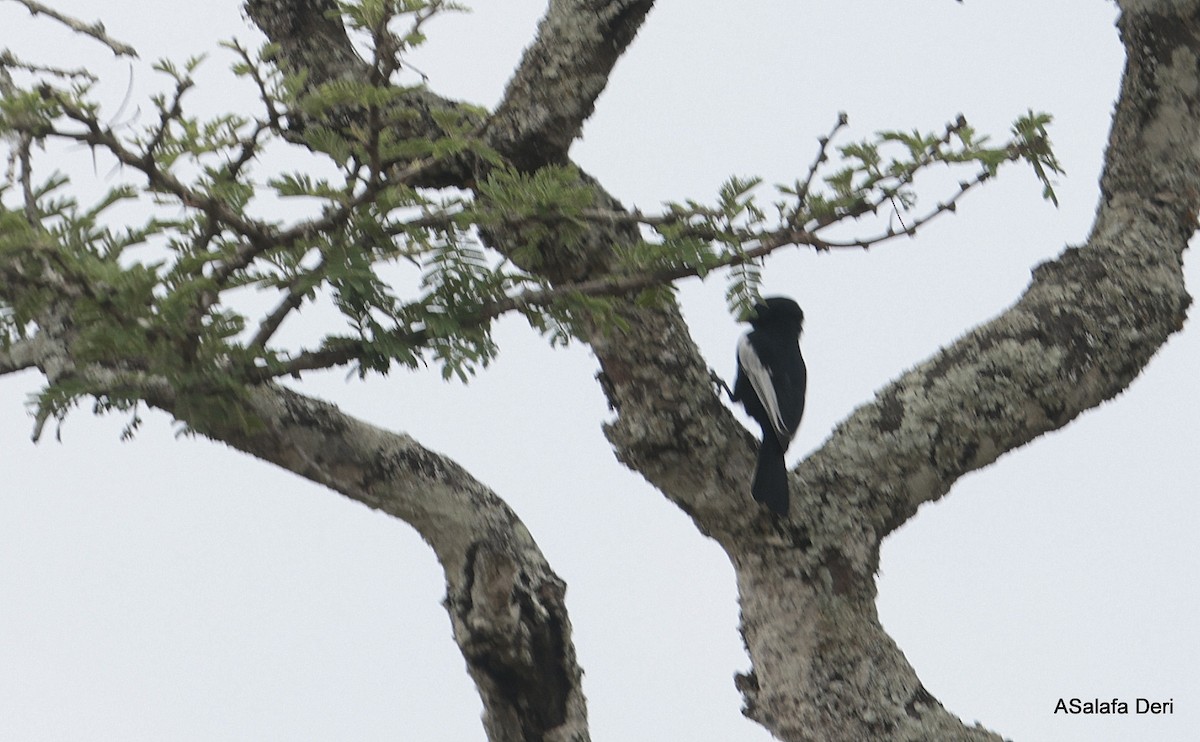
x=719 y=384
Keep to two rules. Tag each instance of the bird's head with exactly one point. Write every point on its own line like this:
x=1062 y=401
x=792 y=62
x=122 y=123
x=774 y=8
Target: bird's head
x=778 y=311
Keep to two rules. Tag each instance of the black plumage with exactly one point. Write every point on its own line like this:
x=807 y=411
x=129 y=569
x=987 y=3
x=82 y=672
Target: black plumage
x=771 y=381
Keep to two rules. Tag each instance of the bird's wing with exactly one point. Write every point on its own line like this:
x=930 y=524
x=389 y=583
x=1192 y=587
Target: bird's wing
x=760 y=379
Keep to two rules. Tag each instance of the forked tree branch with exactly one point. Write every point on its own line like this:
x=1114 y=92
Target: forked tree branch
x=824 y=669
x=673 y=433
x=1088 y=324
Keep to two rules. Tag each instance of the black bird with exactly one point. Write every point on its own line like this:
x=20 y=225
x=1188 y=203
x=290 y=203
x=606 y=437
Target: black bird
x=771 y=379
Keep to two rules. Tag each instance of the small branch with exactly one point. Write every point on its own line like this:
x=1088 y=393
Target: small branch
x=334 y=354
x=294 y=295
x=949 y=205
x=345 y=351
x=750 y=247
x=251 y=146
x=560 y=76
x=10 y=60
x=95 y=135
x=95 y=30
x=291 y=301
x=166 y=116
x=25 y=169
x=821 y=158
x=373 y=184
x=768 y=242
x=260 y=236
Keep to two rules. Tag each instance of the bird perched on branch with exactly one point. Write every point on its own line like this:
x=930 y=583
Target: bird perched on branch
x=771 y=380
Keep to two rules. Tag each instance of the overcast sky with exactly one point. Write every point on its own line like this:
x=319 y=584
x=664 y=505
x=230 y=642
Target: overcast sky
x=171 y=589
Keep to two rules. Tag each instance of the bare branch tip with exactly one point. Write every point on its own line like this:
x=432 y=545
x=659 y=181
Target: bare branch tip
x=95 y=30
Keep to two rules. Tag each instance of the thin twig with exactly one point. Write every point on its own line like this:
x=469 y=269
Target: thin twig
x=949 y=205
x=166 y=116
x=820 y=159
x=8 y=59
x=95 y=30
x=25 y=159
x=274 y=116
x=97 y=135
x=291 y=301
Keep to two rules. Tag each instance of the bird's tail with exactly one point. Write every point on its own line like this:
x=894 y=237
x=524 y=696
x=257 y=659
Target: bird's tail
x=770 y=485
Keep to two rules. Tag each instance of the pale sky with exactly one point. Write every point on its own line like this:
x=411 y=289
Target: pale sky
x=171 y=589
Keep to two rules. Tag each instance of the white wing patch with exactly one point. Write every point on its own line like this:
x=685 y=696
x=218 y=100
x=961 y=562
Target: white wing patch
x=760 y=379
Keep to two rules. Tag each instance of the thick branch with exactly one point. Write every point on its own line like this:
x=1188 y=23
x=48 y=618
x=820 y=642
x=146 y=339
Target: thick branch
x=824 y=668
x=18 y=356
x=313 y=42
x=506 y=605
x=1088 y=324
x=309 y=38
x=555 y=87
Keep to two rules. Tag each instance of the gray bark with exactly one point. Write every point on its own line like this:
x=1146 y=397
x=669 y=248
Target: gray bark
x=506 y=605
x=823 y=668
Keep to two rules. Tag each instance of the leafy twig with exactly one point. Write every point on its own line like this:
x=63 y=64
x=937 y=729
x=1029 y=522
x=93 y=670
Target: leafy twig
x=803 y=187
x=8 y=59
x=297 y=288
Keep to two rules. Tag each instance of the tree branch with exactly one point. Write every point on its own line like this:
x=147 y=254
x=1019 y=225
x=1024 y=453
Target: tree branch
x=18 y=355
x=561 y=74
x=95 y=30
x=310 y=36
x=821 y=158
x=312 y=40
x=94 y=134
x=506 y=605
x=292 y=299
x=1088 y=324
x=9 y=60
x=823 y=666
